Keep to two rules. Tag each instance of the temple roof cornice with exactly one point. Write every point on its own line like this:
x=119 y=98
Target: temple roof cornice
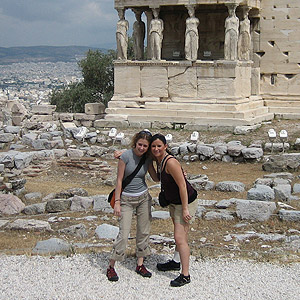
x=158 y=3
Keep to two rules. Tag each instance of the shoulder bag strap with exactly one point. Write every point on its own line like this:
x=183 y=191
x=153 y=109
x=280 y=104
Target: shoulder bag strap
x=128 y=179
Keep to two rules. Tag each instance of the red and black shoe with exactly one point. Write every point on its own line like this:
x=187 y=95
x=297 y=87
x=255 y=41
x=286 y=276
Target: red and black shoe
x=112 y=274
x=143 y=271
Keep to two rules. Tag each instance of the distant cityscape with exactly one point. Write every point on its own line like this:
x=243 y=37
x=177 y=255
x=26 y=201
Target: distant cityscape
x=33 y=80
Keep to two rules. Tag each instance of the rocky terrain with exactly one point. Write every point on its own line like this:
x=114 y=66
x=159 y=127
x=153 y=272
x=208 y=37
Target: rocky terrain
x=56 y=176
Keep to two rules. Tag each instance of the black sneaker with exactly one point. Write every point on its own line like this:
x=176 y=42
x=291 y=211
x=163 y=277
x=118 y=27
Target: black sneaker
x=143 y=271
x=181 y=280
x=111 y=274
x=171 y=265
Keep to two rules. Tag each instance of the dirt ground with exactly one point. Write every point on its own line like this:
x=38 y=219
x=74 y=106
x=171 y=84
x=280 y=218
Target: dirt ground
x=206 y=237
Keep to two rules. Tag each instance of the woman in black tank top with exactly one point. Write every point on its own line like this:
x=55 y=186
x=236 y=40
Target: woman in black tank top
x=174 y=185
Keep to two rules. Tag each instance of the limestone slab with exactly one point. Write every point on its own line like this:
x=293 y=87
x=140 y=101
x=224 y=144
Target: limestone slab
x=127 y=81
x=154 y=82
x=182 y=82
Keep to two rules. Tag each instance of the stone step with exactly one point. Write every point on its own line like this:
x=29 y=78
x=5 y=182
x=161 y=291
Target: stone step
x=287 y=116
x=282 y=110
x=187 y=112
x=195 y=106
x=136 y=99
x=206 y=107
x=219 y=122
x=279 y=104
x=190 y=123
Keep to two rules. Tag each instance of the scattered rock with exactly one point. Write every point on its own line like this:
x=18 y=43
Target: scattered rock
x=230 y=186
x=289 y=215
x=254 y=210
x=10 y=204
x=53 y=246
x=29 y=224
x=106 y=231
x=160 y=215
x=78 y=230
x=261 y=193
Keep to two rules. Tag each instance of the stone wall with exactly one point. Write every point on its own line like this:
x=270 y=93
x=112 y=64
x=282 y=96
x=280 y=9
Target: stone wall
x=279 y=53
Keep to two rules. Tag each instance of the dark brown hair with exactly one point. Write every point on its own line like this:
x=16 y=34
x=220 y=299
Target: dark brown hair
x=144 y=134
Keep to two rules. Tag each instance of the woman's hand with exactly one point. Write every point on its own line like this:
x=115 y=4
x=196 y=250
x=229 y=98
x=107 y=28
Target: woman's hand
x=117 y=209
x=117 y=154
x=186 y=215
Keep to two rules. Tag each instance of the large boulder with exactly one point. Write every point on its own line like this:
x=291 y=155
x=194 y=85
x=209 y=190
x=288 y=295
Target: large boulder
x=106 y=231
x=289 y=215
x=10 y=204
x=32 y=225
x=81 y=203
x=254 y=210
x=283 y=192
x=230 y=186
x=261 y=193
x=35 y=209
x=58 y=205
x=282 y=163
x=234 y=148
x=253 y=153
x=52 y=246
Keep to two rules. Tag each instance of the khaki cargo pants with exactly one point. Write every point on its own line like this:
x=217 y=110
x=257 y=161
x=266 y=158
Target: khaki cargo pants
x=142 y=205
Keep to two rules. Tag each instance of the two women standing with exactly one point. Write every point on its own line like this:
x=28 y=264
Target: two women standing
x=136 y=195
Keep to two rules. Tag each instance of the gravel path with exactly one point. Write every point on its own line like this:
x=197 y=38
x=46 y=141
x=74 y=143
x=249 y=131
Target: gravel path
x=83 y=277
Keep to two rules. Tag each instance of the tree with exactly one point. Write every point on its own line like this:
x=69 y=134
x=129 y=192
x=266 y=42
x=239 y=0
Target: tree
x=98 y=73
x=72 y=98
x=97 y=84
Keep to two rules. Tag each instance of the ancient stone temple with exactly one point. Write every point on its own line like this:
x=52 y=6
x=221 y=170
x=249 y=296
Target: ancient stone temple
x=206 y=62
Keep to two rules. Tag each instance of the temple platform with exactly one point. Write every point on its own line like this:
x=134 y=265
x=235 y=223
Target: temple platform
x=212 y=93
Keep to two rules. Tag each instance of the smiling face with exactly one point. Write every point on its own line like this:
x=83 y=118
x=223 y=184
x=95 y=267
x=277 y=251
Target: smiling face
x=141 y=147
x=158 y=149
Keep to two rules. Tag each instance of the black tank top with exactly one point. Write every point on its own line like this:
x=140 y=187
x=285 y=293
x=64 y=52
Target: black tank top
x=169 y=185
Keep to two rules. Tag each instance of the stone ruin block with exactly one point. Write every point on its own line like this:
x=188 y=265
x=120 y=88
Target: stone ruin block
x=94 y=108
x=66 y=117
x=43 y=109
x=41 y=118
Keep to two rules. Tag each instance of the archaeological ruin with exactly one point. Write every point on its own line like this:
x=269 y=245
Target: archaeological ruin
x=206 y=63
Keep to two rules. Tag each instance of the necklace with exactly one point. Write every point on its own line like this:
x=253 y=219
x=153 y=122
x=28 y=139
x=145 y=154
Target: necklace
x=159 y=166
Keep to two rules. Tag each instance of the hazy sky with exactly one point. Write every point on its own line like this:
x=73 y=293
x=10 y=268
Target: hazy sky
x=58 y=23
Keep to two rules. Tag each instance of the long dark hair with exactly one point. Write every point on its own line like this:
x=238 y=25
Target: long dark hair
x=161 y=137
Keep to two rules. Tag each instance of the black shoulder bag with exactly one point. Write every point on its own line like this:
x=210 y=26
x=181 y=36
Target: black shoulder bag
x=111 y=197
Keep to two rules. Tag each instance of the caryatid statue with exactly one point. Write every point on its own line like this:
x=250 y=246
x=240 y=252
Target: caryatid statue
x=244 y=43
x=231 y=34
x=138 y=35
x=156 y=35
x=191 y=35
x=121 y=35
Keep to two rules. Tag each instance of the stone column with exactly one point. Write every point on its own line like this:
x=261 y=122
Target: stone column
x=138 y=35
x=121 y=35
x=231 y=33
x=149 y=16
x=156 y=35
x=191 y=35
x=244 y=43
